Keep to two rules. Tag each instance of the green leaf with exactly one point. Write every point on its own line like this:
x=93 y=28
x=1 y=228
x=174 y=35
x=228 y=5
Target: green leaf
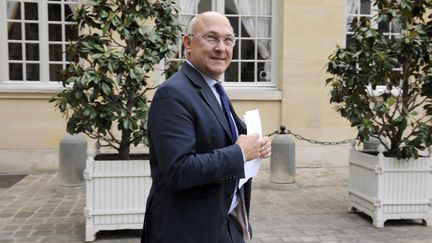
x=106 y=89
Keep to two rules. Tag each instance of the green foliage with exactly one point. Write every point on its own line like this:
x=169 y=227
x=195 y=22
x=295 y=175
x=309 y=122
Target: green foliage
x=402 y=112
x=172 y=67
x=120 y=42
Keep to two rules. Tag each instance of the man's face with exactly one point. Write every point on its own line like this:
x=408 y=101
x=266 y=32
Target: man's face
x=207 y=48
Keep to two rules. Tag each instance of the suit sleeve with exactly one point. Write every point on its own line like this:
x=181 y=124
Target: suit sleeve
x=175 y=139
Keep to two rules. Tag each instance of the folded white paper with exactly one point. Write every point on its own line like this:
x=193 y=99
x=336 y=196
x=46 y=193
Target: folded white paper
x=253 y=125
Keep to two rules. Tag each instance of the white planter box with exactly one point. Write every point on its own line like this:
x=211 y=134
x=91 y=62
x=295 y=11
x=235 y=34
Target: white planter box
x=388 y=188
x=116 y=194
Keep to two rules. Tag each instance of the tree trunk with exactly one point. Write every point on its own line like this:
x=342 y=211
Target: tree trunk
x=124 y=149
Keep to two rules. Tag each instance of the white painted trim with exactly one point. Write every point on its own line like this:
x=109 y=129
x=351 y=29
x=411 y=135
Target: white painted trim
x=29 y=90
x=4 y=67
x=381 y=196
x=380 y=89
x=275 y=43
x=43 y=41
x=254 y=94
x=103 y=210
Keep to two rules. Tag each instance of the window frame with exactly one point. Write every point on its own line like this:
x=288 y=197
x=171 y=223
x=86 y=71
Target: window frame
x=43 y=84
x=219 y=6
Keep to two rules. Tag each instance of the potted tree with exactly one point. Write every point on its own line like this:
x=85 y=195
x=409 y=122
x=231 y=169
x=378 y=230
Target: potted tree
x=383 y=86
x=106 y=98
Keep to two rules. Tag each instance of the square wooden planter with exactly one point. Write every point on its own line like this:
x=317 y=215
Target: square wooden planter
x=387 y=188
x=116 y=194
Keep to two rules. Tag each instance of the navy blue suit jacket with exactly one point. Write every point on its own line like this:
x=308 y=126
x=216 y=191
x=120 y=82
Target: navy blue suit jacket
x=195 y=164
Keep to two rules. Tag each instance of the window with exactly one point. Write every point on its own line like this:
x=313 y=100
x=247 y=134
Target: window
x=34 y=34
x=356 y=9
x=254 y=26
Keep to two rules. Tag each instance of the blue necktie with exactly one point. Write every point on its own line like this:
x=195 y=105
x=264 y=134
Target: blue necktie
x=239 y=211
x=225 y=105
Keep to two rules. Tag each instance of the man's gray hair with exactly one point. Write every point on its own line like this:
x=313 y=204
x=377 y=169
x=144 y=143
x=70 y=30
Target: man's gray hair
x=190 y=26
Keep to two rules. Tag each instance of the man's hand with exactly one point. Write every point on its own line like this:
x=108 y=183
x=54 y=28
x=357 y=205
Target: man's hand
x=253 y=147
x=265 y=148
x=250 y=145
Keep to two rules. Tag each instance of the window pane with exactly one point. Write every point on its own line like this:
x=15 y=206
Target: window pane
x=350 y=27
x=32 y=71
x=248 y=50
x=348 y=40
x=249 y=6
x=15 y=51
x=55 y=32
x=383 y=27
x=31 y=31
x=204 y=5
x=236 y=50
x=265 y=7
x=54 y=12
x=55 y=52
x=264 y=27
x=264 y=71
x=352 y=6
x=70 y=58
x=248 y=25
x=54 y=72
x=247 y=71
x=68 y=12
x=13 y=9
x=396 y=26
x=235 y=24
x=365 y=7
x=31 y=12
x=231 y=74
x=71 y=32
x=264 y=49
x=14 y=31
x=32 y=52
x=15 y=71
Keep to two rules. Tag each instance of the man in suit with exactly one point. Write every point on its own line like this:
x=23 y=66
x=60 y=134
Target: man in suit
x=197 y=153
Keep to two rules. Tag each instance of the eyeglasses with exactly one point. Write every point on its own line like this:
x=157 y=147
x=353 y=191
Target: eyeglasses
x=214 y=39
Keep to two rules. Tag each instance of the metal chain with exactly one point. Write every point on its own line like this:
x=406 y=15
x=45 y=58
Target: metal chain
x=300 y=137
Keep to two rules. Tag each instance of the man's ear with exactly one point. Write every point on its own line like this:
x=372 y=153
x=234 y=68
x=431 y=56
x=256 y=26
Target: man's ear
x=187 y=43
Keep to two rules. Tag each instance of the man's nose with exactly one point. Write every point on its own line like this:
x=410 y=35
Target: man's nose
x=220 y=44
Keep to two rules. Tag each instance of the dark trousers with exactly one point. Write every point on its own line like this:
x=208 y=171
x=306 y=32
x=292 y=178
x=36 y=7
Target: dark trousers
x=230 y=232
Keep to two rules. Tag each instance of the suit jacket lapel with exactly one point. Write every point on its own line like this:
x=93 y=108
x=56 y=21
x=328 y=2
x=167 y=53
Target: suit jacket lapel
x=207 y=94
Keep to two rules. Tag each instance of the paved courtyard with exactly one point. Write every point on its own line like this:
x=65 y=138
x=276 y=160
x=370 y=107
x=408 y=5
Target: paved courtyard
x=34 y=210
